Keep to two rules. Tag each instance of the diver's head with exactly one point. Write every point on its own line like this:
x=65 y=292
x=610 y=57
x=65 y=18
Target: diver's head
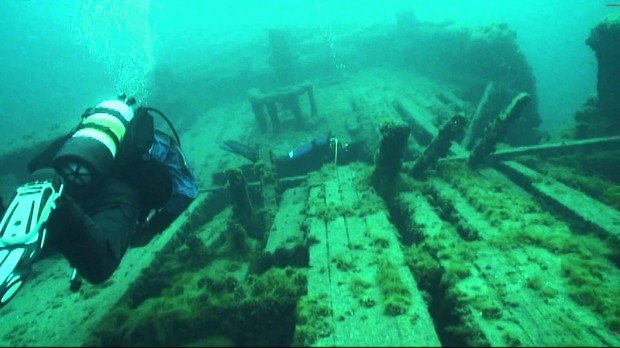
x=87 y=156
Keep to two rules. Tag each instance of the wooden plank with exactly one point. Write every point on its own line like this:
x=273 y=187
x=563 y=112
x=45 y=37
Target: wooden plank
x=268 y=191
x=345 y=315
x=475 y=122
x=425 y=216
x=565 y=147
x=502 y=277
x=543 y=320
x=319 y=277
x=344 y=304
x=361 y=324
x=366 y=328
x=415 y=326
x=358 y=317
x=285 y=234
x=348 y=195
x=332 y=194
x=548 y=149
x=318 y=273
x=474 y=224
x=591 y=211
x=422 y=129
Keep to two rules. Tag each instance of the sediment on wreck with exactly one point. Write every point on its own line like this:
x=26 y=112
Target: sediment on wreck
x=475 y=57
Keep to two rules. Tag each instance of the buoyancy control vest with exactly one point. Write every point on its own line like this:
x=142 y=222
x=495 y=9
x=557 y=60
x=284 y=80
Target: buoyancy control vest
x=154 y=163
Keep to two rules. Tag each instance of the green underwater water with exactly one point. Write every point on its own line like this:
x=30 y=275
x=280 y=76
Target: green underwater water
x=67 y=53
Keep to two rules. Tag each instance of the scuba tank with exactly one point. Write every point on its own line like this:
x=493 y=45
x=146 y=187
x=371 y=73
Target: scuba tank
x=88 y=155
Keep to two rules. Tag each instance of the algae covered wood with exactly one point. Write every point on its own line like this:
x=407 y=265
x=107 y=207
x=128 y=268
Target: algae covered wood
x=285 y=239
x=422 y=129
x=475 y=123
x=498 y=289
x=350 y=253
x=596 y=214
x=523 y=280
x=46 y=313
x=564 y=147
x=440 y=145
x=497 y=129
x=514 y=282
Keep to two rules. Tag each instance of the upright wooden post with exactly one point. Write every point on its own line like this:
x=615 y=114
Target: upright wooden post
x=439 y=146
x=258 y=109
x=240 y=200
x=497 y=129
x=388 y=161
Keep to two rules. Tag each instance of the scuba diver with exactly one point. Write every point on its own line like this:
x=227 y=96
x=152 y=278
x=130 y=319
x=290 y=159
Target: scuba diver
x=111 y=182
x=306 y=158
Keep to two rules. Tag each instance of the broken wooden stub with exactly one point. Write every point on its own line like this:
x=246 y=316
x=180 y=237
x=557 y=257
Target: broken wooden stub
x=268 y=183
x=389 y=160
x=468 y=139
x=497 y=129
x=440 y=145
x=240 y=201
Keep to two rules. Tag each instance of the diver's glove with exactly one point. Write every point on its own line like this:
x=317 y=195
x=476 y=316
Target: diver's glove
x=49 y=175
x=146 y=227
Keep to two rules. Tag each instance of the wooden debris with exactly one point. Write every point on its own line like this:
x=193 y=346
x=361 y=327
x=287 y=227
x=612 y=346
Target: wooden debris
x=390 y=156
x=285 y=243
x=345 y=265
x=497 y=130
x=595 y=214
x=422 y=130
x=240 y=201
x=287 y=98
x=468 y=139
x=439 y=146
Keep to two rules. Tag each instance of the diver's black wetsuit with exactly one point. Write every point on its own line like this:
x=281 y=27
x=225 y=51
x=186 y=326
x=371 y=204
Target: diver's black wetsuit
x=91 y=229
x=305 y=159
x=315 y=154
x=93 y=232
x=94 y=229
x=309 y=157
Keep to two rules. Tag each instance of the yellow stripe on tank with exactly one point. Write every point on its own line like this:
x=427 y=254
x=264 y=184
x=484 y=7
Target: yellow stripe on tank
x=106 y=120
x=98 y=135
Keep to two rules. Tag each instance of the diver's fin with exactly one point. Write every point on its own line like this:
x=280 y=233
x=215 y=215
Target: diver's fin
x=240 y=149
x=23 y=232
